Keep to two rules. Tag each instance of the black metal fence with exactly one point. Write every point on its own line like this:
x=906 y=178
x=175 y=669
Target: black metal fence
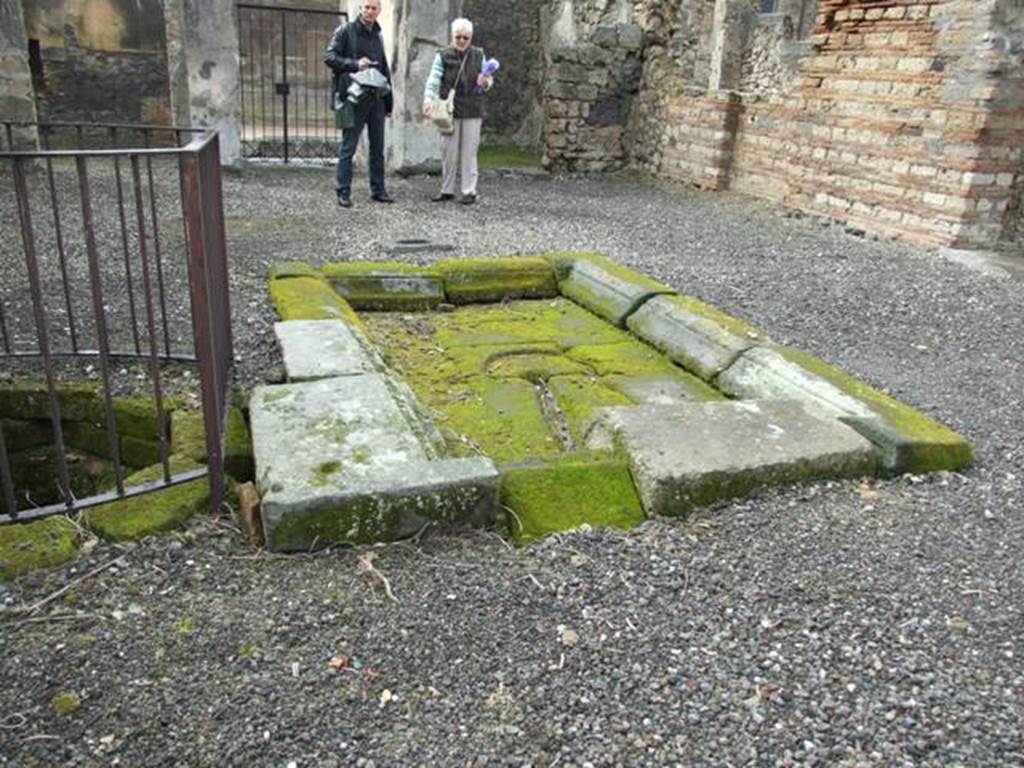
x=117 y=263
x=286 y=89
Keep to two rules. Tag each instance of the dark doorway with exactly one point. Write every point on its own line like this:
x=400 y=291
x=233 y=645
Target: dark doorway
x=286 y=88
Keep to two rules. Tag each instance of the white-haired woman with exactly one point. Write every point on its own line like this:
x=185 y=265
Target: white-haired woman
x=458 y=68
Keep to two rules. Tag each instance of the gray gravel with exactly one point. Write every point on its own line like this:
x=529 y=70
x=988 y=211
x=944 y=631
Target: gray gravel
x=832 y=624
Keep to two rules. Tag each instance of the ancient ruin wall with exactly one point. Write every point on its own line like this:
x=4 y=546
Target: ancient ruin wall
x=904 y=118
x=511 y=32
x=100 y=60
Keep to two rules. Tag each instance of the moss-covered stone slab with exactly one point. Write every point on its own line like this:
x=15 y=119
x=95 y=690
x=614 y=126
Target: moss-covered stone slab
x=467 y=281
x=89 y=437
x=607 y=289
x=663 y=389
x=319 y=349
x=35 y=472
x=310 y=298
x=156 y=512
x=26 y=547
x=629 y=358
x=698 y=337
x=337 y=462
x=907 y=440
x=238 y=452
x=687 y=456
x=285 y=269
x=579 y=397
x=558 y=322
x=139 y=453
x=566 y=492
x=386 y=286
x=188 y=435
x=30 y=401
x=20 y=435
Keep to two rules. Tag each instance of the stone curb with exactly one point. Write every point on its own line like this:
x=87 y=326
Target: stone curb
x=607 y=289
x=906 y=440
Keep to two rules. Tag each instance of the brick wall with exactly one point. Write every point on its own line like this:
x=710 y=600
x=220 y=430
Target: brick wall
x=905 y=118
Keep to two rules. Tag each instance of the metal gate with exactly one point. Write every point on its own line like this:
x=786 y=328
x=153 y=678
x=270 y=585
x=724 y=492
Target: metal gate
x=286 y=88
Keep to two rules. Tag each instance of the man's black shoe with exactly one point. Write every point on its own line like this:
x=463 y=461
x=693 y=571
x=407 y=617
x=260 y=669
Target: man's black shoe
x=344 y=201
x=382 y=197
x=468 y=199
x=444 y=197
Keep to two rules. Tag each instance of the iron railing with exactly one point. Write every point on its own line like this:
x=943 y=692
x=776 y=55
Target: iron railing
x=118 y=257
x=286 y=91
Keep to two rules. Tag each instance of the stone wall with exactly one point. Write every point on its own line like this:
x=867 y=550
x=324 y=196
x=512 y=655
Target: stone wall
x=99 y=60
x=905 y=118
x=511 y=33
x=16 y=98
x=588 y=97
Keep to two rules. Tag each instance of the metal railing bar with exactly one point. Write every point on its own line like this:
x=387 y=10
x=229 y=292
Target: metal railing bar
x=62 y=257
x=5 y=475
x=113 y=354
x=102 y=340
x=154 y=362
x=124 y=246
x=42 y=333
x=3 y=331
x=105 y=498
x=158 y=257
x=194 y=145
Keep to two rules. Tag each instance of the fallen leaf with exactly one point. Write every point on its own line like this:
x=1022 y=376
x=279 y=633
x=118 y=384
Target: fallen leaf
x=868 y=493
x=569 y=637
x=385 y=696
x=339 y=662
x=371 y=673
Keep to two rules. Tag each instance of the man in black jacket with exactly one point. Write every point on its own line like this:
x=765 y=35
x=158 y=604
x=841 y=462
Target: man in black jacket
x=356 y=47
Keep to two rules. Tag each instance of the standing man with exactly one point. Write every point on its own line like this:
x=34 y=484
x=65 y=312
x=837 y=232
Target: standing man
x=356 y=47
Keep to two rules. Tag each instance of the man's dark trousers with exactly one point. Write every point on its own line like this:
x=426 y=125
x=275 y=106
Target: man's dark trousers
x=369 y=112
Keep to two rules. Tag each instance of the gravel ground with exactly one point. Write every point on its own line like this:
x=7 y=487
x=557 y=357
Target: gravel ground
x=833 y=624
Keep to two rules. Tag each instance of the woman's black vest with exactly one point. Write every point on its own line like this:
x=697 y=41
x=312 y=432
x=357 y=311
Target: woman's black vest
x=467 y=103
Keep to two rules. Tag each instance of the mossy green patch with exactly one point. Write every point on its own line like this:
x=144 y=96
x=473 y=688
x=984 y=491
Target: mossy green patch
x=482 y=280
x=524 y=322
x=35 y=473
x=908 y=440
x=88 y=437
x=308 y=298
x=26 y=547
x=363 y=521
x=323 y=472
x=386 y=286
x=567 y=492
x=20 y=435
x=65 y=703
x=139 y=453
x=238 y=456
x=283 y=269
x=496 y=156
x=31 y=401
x=579 y=396
x=629 y=358
x=149 y=513
x=503 y=419
x=534 y=367
x=678 y=385
x=732 y=324
x=188 y=435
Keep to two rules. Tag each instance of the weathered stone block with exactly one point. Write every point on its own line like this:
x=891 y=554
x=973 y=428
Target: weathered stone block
x=309 y=298
x=337 y=462
x=907 y=441
x=319 y=349
x=386 y=286
x=687 y=456
x=607 y=289
x=698 y=337
x=483 y=280
x=568 y=491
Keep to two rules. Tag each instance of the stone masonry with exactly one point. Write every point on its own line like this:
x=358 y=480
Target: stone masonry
x=901 y=117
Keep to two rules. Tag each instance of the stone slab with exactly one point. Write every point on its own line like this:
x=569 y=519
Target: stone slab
x=338 y=462
x=688 y=456
x=698 y=341
x=319 y=349
x=663 y=389
x=607 y=289
x=487 y=280
x=386 y=286
x=907 y=441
